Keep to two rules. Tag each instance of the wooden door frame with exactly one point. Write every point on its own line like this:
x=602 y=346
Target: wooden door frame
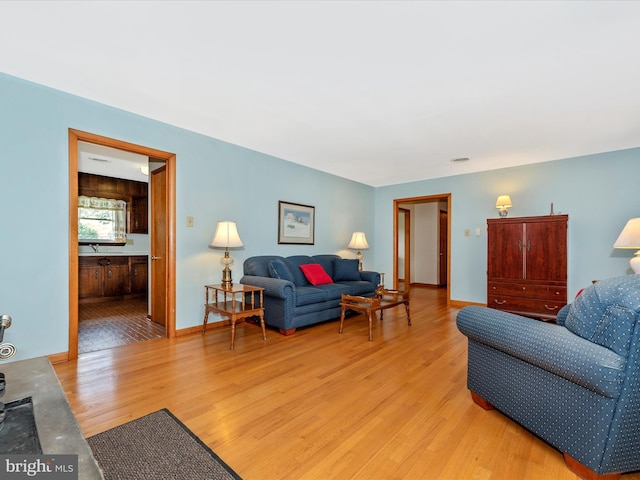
x=74 y=137
x=407 y=248
x=397 y=204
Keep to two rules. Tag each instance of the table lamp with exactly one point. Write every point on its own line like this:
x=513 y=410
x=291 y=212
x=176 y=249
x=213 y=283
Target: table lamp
x=226 y=237
x=630 y=238
x=358 y=242
x=502 y=204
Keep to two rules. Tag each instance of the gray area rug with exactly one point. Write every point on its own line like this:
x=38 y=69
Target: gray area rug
x=157 y=446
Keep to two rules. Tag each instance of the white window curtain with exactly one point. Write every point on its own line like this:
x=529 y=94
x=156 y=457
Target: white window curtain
x=116 y=210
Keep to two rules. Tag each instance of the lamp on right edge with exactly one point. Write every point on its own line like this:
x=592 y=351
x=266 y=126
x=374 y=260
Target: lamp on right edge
x=503 y=202
x=630 y=238
x=358 y=242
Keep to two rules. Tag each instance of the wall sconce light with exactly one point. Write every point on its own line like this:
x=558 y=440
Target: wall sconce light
x=630 y=238
x=226 y=237
x=358 y=242
x=503 y=202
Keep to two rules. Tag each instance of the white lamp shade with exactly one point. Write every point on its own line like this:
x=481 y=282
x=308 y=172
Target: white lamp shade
x=630 y=235
x=503 y=201
x=358 y=241
x=630 y=238
x=226 y=236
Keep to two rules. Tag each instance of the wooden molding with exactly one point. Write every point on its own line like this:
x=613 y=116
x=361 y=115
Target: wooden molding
x=461 y=303
x=58 y=357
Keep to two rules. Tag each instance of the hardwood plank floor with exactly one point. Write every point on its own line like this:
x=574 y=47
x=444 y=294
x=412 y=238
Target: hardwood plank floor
x=320 y=405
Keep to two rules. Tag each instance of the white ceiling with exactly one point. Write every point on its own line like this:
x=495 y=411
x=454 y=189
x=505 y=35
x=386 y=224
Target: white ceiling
x=109 y=162
x=378 y=92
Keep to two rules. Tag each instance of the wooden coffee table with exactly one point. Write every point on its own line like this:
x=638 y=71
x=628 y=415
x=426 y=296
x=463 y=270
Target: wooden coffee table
x=225 y=304
x=388 y=299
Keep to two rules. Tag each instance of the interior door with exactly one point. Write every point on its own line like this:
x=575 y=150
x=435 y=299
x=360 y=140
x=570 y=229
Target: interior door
x=159 y=252
x=443 y=241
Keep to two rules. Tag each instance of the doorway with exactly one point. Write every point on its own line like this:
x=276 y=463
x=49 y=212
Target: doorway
x=163 y=205
x=421 y=242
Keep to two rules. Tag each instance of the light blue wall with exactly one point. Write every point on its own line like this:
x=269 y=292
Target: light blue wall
x=215 y=181
x=599 y=193
x=218 y=181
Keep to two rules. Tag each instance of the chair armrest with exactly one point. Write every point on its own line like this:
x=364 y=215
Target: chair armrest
x=562 y=315
x=273 y=287
x=546 y=345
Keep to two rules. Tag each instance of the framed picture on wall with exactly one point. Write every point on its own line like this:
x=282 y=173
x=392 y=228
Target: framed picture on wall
x=296 y=223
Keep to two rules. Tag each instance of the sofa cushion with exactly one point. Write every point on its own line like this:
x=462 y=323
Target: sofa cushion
x=335 y=290
x=259 y=266
x=309 y=295
x=278 y=269
x=315 y=274
x=604 y=313
x=326 y=260
x=359 y=288
x=294 y=263
x=346 y=269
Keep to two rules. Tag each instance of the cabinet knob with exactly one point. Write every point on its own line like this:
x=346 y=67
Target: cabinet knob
x=153 y=257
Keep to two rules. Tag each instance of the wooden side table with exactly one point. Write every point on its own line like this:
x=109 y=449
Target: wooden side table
x=386 y=299
x=225 y=304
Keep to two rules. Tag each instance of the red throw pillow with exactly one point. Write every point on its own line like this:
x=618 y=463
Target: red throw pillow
x=315 y=274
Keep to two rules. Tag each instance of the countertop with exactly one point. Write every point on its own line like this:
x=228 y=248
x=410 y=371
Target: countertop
x=58 y=429
x=113 y=254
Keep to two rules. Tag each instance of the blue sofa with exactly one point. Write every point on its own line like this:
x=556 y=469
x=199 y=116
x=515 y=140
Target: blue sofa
x=575 y=384
x=291 y=301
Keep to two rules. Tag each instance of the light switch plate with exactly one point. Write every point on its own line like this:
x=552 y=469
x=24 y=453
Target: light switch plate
x=189 y=221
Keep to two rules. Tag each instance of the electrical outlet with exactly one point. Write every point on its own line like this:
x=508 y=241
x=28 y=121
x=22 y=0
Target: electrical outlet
x=189 y=221
x=467 y=232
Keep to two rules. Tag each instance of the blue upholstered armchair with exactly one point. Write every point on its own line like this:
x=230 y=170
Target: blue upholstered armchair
x=575 y=384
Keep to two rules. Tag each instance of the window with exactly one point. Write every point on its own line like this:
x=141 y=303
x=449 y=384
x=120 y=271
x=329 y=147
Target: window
x=102 y=220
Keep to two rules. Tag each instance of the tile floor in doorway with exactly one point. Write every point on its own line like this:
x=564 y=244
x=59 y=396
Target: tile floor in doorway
x=111 y=324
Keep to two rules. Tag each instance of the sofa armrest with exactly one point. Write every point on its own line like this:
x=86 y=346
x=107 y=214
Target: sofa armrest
x=368 y=276
x=546 y=345
x=273 y=287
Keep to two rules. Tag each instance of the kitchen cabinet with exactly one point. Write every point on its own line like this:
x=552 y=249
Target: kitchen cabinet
x=138 y=274
x=104 y=278
x=527 y=265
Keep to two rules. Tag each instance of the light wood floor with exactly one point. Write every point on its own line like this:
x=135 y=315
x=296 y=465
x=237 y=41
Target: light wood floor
x=319 y=405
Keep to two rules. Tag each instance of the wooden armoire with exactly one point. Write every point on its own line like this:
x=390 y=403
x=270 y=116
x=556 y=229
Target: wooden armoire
x=527 y=265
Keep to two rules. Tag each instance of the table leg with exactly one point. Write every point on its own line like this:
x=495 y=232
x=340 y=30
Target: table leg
x=342 y=318
x=370 y=322
x=233 y=332
x=264 y=332
x=206 y=317
x=408 y=314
